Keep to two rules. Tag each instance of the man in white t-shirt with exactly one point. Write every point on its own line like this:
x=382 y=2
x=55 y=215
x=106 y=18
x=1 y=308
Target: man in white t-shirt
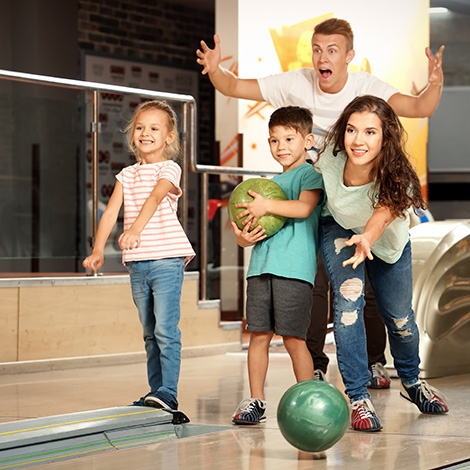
x=326 y=89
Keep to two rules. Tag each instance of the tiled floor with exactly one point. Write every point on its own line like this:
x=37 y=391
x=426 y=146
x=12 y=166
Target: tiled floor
x=210 y=389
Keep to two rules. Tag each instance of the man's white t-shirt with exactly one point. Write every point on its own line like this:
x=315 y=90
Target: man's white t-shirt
x=300 y=87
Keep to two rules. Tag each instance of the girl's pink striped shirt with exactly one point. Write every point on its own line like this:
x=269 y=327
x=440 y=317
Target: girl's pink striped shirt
x=163 y=236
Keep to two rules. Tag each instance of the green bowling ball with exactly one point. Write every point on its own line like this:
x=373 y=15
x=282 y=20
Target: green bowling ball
x=269 y=190
x=313 y=415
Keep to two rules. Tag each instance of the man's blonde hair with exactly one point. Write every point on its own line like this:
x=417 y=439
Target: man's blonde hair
x=336 y=26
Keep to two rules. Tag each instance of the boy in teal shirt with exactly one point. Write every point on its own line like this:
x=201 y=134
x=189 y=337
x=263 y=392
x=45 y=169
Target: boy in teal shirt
x=282 y=267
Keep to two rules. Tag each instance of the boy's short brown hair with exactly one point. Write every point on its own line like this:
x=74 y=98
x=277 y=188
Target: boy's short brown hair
x=294 y=117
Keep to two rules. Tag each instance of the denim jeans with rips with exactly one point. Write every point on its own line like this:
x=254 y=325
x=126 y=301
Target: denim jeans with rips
x=392 y=286
x=156 y=290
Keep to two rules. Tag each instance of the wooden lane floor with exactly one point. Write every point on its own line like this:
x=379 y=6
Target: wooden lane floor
x=210 y=389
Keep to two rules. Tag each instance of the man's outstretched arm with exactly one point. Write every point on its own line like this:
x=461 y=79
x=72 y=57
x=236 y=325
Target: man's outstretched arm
x=223 y=80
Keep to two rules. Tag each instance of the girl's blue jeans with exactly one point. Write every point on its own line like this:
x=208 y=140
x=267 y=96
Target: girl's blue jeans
x=392 y=286
x=156 y=290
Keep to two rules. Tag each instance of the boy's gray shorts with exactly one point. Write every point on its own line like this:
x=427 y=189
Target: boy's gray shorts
x=278 y=304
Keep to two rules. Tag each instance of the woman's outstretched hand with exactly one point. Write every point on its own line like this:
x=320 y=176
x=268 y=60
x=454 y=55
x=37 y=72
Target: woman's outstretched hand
x=362 y=250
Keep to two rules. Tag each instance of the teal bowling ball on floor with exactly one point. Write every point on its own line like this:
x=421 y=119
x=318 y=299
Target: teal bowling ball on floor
x=313 y=415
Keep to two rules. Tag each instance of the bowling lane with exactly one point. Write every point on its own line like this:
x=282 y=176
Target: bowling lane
x=210 y=389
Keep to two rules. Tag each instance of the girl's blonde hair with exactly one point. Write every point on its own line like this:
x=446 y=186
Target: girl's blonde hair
x=172 y=151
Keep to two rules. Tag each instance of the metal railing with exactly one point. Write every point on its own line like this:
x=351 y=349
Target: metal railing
x=188 y=139
x=189 y=114
x=205 y=170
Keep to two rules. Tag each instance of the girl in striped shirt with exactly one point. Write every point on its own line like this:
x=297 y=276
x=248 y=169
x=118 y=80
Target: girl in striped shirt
x=155 y=248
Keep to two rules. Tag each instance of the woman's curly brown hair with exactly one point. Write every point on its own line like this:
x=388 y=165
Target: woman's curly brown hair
x=395 y=184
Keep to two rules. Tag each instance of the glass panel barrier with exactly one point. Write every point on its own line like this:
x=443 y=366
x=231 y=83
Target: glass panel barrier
x=61 y=145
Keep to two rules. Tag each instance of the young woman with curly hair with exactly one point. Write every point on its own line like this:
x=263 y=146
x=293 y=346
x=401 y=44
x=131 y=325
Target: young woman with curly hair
x=370 y=185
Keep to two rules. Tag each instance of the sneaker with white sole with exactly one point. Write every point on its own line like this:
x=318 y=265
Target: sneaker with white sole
x=428 y=399
x=250 y=411
x=157 y=400
x=380 y=377
x=319 y=375
x=363 y=417
x=140 y=401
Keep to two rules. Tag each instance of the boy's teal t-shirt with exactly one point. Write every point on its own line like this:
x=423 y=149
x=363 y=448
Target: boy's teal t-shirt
x=291 y=252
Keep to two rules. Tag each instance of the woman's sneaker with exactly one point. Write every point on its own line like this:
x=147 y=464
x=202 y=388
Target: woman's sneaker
x=428 y=399
x=250 y=411
x=363 y=417
x=380 y=377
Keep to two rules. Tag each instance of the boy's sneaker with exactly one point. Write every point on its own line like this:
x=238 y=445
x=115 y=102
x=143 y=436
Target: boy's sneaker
x=156 y=401
x=250 y=411
x=319 y=375
x=428 y=399
x=380 y=377
x=363 y=417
